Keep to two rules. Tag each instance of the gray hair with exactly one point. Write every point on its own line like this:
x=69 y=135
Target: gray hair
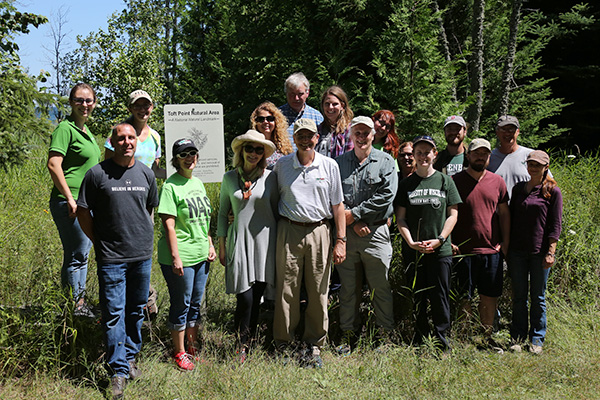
x=295 y=80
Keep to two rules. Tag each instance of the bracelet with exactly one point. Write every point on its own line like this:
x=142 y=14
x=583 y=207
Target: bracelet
x=550 y=254
x=211 y=246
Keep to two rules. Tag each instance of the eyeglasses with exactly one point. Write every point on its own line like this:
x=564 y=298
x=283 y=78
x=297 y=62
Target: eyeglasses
x=79 y=101
x=184 y=154
x=269 y=118
x=251 y=149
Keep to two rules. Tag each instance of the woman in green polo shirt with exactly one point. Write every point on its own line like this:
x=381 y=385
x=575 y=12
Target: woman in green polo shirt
x=73 y=150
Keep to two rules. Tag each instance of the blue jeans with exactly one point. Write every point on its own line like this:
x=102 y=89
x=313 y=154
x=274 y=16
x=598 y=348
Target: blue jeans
x=123 y=294
x=529 y=277
x=186 y=294
x=76 y=247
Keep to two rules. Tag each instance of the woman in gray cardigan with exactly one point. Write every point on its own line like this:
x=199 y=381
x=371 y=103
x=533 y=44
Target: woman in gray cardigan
x=247 y=246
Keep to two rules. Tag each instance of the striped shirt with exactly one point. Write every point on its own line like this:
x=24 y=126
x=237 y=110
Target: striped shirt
x=306 y=194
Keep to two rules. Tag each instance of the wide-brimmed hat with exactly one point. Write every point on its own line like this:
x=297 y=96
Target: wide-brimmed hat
x=138 y=94
x=539 y=156
x=507 y=120
x=181 y=145
x=255 y=137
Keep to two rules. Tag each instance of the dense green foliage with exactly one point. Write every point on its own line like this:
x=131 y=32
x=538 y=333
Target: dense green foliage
x=385 y=54
x=19 y=96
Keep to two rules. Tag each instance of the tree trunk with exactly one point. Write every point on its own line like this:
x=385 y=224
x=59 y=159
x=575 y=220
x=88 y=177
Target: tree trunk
x=507 y=74
x=476 y=74
x=445 y=45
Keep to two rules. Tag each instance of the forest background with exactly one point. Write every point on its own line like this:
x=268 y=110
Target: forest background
x=423 y=59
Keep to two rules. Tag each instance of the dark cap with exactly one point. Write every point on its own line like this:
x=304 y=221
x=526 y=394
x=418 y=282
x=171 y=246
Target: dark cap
x=507 y=120
x=181 y=145
x=424 y=138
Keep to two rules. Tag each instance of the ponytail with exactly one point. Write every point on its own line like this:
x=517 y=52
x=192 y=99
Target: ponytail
x=548 y=185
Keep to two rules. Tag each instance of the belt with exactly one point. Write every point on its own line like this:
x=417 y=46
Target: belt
x=306 y=224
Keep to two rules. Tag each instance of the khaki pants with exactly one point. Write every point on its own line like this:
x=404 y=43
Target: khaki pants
x=302 y=253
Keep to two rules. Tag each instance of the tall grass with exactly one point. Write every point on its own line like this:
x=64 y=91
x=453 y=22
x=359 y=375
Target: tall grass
x=54 y=355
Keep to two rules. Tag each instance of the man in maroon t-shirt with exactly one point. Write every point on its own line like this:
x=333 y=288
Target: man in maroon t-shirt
x=481 y=232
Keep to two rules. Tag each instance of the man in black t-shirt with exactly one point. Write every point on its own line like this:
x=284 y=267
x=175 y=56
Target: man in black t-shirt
x=114 y=209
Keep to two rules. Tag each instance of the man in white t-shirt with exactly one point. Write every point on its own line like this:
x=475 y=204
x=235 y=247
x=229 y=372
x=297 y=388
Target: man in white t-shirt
x=509 y=159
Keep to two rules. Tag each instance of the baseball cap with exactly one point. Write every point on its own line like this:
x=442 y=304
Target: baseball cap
x=424 y=138
x=479 y=143
x=305 y=123
x=181 y=145
x=138 y=94
x=362 y=120
x=539 y=156
x=508 y=120
x=455 y=119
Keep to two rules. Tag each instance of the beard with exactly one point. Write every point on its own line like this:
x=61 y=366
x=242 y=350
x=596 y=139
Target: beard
x=478 y=167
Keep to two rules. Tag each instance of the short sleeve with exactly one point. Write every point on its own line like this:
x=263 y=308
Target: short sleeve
x=168 y=202
x=61 y=139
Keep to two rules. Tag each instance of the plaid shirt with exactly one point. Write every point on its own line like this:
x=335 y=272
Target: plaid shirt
x=292 y=116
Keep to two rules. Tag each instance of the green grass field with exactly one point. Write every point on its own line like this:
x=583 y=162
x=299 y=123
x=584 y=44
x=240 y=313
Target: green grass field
x=45 y=353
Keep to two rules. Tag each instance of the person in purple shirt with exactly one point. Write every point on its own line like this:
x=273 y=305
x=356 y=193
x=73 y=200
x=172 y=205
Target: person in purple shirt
x=536 y=221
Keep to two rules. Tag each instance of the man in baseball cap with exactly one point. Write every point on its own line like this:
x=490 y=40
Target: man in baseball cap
x=508 y=159
x=452 y=159
x=481 y=232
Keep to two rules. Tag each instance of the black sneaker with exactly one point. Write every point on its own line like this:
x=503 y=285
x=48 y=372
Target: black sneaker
x=117 y=386
x=311 y=358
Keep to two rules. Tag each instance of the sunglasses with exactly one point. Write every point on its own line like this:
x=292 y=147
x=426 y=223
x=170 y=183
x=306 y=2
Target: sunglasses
x=184 y=154
x=79 y=101
x=269 y=118
x=405 y=155
x=383 y=124
x=251 y=149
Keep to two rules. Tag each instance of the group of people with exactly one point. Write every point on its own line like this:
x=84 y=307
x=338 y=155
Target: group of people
x=310 y=200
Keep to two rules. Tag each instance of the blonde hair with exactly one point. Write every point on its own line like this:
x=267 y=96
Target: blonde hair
x=347 y=114
x=238 y=158
x=280 y=136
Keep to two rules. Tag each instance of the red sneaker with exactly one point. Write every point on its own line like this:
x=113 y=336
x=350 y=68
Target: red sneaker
x=183 y=361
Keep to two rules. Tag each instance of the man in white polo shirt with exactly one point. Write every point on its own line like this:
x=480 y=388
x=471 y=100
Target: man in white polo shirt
x=310 y=192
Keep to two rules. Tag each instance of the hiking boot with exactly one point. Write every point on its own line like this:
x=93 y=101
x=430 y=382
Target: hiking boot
x=117 y=386
x=183 y=362
x=134 y=371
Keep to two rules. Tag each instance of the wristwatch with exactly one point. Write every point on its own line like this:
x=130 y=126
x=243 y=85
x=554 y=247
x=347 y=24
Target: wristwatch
x=442 y=239
x=343 y=239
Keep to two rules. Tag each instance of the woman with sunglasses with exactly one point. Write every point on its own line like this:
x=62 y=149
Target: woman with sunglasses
x=405 y=160
x=148 y=149
x=386 y=138
x=185 y=250
x=334 y=131
x=73 y=151
x=426 y=211
x=268 y=120
x=247 y=246
x=536 y=223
